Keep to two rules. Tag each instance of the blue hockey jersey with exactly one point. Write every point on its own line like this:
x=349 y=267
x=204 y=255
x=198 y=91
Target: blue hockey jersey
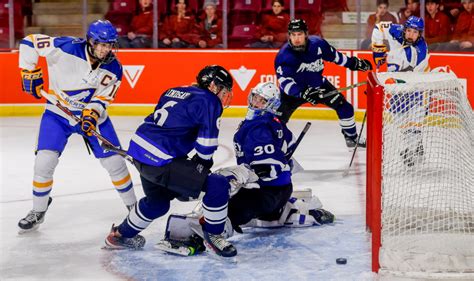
x=184 y=118
x=264 y=140
x=297 y=71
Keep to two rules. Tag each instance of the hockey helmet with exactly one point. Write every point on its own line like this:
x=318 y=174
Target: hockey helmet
x=265 y=97
x=222 y=80
x=414 y=23
x=102 y=31
x=298 y=25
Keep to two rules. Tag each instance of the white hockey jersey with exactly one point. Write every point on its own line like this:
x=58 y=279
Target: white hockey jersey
x=401 y=57
x=71 y=76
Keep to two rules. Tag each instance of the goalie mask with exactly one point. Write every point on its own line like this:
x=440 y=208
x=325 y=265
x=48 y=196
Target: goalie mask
x=102 y=39
x=298 y=35
x=410 y=27
x=218 y=80
x=265 y=97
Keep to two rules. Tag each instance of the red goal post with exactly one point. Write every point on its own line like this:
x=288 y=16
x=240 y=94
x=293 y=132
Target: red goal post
x=420 y=175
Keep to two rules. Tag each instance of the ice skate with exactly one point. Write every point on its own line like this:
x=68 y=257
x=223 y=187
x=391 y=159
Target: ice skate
x=351 y=142
x=32 y=220
x=217 y=244
x=115 y=241
x=322 y=216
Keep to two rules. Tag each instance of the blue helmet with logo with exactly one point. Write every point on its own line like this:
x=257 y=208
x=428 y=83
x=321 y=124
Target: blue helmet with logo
x=415 y=23
x=102 y=31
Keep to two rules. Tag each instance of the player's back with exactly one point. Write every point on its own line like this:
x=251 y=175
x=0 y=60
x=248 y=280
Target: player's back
x=182 y=115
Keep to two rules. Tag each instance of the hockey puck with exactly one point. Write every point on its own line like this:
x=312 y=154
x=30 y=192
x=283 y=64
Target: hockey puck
x=341 y=261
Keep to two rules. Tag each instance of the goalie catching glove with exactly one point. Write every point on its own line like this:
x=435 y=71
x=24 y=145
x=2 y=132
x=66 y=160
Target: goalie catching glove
x=32 y=82
x=89 y=121
x=379 y=54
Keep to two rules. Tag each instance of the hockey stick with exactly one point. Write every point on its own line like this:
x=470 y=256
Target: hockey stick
x=106 y=144
x=346 y=172
x=334 y=92
x=300 y=137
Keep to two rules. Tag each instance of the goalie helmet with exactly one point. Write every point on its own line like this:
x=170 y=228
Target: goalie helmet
x=298 y=25
x=222 y=80
x=102 y=31
x=265 y=97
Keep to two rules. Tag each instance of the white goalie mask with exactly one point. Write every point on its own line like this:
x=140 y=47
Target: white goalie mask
x=265 y=97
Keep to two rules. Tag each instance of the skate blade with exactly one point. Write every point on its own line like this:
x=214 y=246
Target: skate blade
x=166 y=247
x=22 y=231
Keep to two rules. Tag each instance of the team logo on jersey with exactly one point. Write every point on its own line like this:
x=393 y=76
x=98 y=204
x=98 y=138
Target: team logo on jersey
x=243 y=76
x=315 y=66
x=132 y=73
x=78 y=98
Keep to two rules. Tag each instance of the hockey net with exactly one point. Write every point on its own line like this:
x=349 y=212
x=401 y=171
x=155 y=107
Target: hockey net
x=420 y=175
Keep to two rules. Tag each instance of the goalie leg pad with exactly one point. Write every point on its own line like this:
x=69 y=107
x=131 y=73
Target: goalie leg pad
x=45 y=164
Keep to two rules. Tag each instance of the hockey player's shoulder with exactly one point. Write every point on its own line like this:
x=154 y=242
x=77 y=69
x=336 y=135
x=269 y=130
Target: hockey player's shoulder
x=396 y=30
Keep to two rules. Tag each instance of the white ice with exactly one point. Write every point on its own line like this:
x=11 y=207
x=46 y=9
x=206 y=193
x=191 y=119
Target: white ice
x=67 y=246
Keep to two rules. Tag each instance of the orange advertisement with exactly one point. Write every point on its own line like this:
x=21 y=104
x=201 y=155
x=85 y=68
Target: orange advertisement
x=147 y=73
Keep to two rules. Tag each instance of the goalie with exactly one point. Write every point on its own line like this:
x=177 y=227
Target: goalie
x=262 y=143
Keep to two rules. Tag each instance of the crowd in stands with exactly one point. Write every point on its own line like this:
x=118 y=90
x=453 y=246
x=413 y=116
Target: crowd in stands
x=449 y=24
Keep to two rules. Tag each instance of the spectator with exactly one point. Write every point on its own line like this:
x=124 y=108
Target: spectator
x=437 y=25
x=141 y=30
x=273 y=30
x=463 y=35
x=179 y=29
x=452 y=8
x=210 y=28
x=412 y=9
x=382 y=14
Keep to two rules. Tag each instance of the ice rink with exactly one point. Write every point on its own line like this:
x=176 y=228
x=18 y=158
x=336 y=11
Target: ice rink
x=68 y=244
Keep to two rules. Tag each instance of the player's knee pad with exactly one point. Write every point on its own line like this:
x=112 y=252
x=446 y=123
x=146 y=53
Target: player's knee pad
x=115 y=165
x=45 y=163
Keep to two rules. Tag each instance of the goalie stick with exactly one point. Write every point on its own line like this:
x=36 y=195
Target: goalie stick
x=106 y=144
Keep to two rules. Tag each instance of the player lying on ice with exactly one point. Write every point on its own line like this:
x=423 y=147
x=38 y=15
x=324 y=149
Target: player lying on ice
x=262 y=143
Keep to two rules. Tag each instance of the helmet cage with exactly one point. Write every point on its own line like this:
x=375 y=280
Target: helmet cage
x=270 y=93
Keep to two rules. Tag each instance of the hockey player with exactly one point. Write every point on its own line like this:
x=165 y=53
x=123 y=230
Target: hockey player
x=408 y=49
x=84 y=75
x=263 y=142
x=299 y=66
x=408 y=53
x=185 y=118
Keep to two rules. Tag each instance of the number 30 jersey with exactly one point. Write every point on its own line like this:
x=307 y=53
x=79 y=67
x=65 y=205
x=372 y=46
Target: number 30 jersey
x=263 y=143
x=184 y=118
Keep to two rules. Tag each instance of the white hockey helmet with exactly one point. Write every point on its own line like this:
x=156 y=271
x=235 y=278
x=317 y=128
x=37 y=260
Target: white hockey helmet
x=265 y=97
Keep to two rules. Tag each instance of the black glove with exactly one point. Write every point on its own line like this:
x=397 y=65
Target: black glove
x=314 y=95
x=360 y=64
x=206 y=163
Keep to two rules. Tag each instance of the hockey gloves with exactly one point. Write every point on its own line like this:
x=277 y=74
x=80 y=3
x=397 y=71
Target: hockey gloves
x=313 y=95
x=360 y=64
x=32 y=82
x=206 y=163
x=89 y=121
x=379 y=54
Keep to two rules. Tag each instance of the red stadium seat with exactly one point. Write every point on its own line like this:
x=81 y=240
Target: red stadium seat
x=242 y=35
x=247 y=5
x=313 y=6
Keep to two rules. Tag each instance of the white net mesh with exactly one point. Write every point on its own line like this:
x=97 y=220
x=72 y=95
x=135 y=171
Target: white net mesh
x=427 y=174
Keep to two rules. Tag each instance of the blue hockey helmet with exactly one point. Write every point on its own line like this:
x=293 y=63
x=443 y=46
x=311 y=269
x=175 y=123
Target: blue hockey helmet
x=265 y=97
x=102 y=31
x=415 y=23
x=298 y=25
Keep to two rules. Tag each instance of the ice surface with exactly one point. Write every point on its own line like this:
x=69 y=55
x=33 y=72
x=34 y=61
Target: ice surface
x=68 y=244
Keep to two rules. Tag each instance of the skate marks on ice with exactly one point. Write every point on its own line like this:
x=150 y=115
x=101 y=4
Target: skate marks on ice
x=263 y=254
